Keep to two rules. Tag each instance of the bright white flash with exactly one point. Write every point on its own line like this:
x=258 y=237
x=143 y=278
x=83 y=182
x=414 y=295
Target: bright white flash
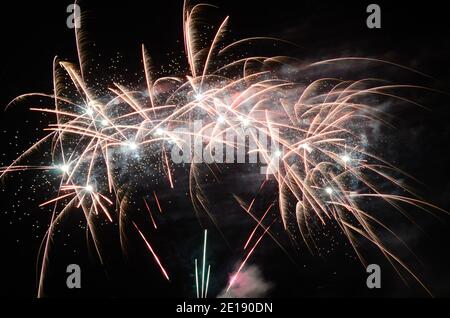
x=89 y=188
x=132 y=145
x=346 y=158
x=245 y=121
x=159 y=131
x=278 y=153
x=221 y=119
x=89 y=111
x=104 y=122
x=307 y=147
x=198 y=97
x=64 y=168
x=328 y=190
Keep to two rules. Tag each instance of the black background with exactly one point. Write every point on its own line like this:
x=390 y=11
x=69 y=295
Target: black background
x=412 y=34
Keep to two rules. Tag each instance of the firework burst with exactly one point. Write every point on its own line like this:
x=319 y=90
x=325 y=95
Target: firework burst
x=321 y=163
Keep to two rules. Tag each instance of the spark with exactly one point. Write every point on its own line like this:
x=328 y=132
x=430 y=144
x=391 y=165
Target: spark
x=235 y=276
x=346 y=158
x=151 y=214
x=150 y=248
x=245 y=121
x=204 y=261
x=159 y=131
x=64 y=168
x=132 y=145
x=204 y=285
x=306 y=146
x=207 y=281
x=198 y=97
x=257 y=225
x=157 y=202
x=196 y=278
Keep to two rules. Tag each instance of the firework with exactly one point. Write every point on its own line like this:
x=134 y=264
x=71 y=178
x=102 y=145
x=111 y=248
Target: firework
x=314 y=151
x=204 y=285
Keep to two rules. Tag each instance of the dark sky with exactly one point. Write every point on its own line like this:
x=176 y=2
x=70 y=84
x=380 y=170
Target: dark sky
x=412 y=34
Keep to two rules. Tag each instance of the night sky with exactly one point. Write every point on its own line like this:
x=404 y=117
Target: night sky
x=413 y=35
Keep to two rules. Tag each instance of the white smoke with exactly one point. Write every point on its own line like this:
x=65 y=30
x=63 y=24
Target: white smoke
x=249 y=284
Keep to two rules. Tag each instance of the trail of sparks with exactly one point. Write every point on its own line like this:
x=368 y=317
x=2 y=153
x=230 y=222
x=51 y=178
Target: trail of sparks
x=204 y=262
x=157 y=202
x=257 y=225
x=204 y=284
x=163 y=270
x=196 y=278
x=151 y=214
x=235 y=276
